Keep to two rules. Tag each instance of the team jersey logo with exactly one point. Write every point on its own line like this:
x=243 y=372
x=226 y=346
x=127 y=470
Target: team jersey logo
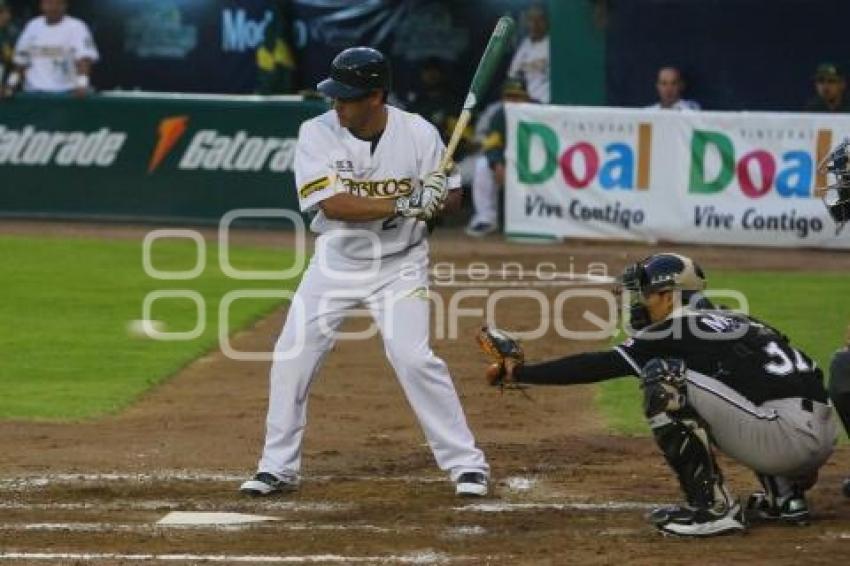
x=344 y=166
x=378 y=188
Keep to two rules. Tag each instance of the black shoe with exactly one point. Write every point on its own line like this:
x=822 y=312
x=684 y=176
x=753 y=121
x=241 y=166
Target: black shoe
x=845 y=487
x=793 y=510
x=471 y=484
x=698 y=521
x=265 y=483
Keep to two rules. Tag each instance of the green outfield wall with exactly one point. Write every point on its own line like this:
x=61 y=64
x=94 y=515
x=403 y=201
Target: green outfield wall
x=148 y=156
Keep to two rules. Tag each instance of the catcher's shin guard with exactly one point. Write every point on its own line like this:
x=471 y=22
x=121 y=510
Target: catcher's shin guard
x=681 y=435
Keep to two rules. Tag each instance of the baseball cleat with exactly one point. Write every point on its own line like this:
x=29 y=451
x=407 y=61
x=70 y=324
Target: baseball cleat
x=794 y=510
x=471 y=484
x=265 y=483
x=698 y=522
x=481 y=229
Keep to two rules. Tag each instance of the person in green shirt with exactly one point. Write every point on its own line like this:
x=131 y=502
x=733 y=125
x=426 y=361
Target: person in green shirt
x=830 y=85
x=489 y=176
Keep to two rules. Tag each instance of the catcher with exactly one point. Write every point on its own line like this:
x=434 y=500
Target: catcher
x=710 y=379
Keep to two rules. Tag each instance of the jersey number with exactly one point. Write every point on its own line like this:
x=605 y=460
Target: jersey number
x=781 y=364
x=390 y=223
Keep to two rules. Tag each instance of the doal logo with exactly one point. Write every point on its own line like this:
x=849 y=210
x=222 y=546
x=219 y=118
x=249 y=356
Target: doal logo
x=209 y=150
x=621 y=164
x=759 y=171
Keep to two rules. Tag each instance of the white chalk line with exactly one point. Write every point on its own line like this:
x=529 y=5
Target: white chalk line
x=100 y=527
x=23 y=483
x=155 y=505
x=414 y=558
x=292 y=506
x=499 y=507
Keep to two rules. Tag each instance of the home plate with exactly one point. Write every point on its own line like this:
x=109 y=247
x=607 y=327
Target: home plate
x=195 y=518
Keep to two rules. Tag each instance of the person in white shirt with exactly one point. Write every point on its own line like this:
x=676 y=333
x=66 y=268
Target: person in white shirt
x=371 y=174
x=531 y=60
x=670 y=86
x=54 y=54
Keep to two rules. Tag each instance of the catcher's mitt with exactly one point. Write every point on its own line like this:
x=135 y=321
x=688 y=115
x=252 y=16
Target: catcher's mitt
x=500 y=346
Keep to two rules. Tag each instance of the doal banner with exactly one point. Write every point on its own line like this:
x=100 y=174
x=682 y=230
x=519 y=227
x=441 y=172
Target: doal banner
x=700 y=177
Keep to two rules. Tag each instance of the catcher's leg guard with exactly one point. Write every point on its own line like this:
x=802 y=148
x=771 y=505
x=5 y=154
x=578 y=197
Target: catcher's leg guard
x=684 y=441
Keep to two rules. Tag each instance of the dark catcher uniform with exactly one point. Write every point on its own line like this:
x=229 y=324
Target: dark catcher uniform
x=715 y=377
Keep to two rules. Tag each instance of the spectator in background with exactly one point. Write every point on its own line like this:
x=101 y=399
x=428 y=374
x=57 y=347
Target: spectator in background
x=54 y=54
x=670 y=85
x=275 y=60
x=830 y=85
x=489 y=175
x=434 y=101
x=531 y=60
x=8 y=35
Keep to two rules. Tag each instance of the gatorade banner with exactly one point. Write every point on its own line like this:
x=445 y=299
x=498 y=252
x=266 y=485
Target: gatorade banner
x=696 y=177
x=164 y=157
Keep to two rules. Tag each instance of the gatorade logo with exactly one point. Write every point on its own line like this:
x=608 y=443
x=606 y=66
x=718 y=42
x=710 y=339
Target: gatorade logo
x=31 y=147
x=209 y=150
x=170 y=131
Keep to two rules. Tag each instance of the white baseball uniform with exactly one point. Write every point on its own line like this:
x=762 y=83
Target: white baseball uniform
x=381 y=265
x=531 y=61
x=50 y=53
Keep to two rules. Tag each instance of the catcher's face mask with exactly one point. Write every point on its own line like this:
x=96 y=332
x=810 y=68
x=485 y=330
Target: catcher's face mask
x=630 y=284
x=837 y=195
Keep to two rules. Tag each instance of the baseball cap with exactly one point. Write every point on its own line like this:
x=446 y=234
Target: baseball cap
x=829 y=71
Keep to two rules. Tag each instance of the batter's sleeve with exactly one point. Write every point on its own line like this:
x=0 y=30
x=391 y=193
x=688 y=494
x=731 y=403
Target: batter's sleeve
x=431 y=149
x=315 y=179
x=84 y=47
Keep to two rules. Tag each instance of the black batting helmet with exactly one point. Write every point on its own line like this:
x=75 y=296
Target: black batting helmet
x=356 y=72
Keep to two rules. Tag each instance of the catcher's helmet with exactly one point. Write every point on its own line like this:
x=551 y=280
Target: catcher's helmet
x=836 y=197
x=355 y=72
x=665 y=272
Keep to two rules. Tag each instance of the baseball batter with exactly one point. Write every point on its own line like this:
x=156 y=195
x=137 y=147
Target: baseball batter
x=370 y=173
x=709 y=377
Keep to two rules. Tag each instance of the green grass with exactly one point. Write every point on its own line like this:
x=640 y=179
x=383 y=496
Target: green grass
x=811 y=308
x=65 y=352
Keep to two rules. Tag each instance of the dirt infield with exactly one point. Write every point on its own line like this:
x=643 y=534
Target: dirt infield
x=567 y=491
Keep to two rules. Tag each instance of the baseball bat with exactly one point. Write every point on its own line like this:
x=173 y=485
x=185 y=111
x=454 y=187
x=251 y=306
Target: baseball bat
x=493 y=53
